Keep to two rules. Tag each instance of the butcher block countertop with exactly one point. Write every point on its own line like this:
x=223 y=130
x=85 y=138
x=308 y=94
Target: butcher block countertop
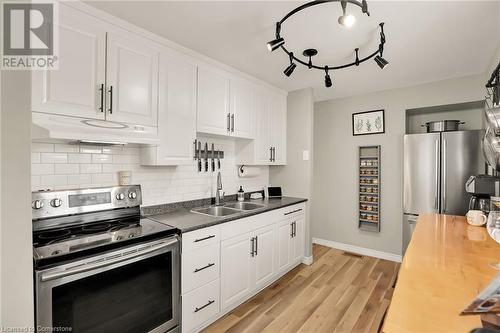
x=445 y=266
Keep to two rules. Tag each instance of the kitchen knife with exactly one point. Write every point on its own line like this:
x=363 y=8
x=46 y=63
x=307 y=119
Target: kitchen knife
x=206 y=156
x=218 y=159
x=199 y=156
x=213 y=157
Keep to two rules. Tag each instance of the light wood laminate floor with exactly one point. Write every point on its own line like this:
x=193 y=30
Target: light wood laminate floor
x=339 y=292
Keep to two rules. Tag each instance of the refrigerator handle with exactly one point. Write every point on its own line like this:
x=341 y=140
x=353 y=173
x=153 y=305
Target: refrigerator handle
x=444 y=177
x=436 y=180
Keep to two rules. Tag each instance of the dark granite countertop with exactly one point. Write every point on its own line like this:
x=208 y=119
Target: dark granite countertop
x=184 y=220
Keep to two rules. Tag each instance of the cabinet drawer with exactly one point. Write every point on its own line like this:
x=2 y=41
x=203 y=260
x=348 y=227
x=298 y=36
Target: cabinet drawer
x=200 y=305
x=200 y=267
x=199 y=238
x=291 y=211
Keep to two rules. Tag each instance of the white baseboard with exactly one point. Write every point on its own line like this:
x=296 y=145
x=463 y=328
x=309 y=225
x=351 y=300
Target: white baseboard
x=307 y=260
x=359 y=250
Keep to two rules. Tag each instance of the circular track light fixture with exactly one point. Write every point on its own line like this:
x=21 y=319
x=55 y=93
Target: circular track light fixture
x=346 y=20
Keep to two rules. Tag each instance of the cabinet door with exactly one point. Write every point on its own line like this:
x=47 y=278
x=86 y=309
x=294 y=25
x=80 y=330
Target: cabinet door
x=177 y=111
x=298 y=240
x=278 y=128
x=284 y=245
x=235 y=269
x=263 y=266
x=132 y=79
x=73 y=89
x=241 y=109
x=262 y=140
x=213 y=102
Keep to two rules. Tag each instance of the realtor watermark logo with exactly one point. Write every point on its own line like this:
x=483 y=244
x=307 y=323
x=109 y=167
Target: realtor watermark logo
x=29 y=35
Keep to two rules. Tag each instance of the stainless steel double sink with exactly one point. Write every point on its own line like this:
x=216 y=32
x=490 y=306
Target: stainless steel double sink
x=227 y=209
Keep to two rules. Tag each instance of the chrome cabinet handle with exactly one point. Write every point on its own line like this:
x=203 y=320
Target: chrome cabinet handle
x=101 y=89
x=232 y=123
x=256 y=245
x=204 y=238
x=293 y=211
x=110 y=99
x=252 y=246
x=229 y=122
x=291 y=230
x=204 y=267
x=271 y=154
x=436 y=196
x=108 y=262
x=274 y=154
x=204 y=306
x=444 y=175
x=294 y=229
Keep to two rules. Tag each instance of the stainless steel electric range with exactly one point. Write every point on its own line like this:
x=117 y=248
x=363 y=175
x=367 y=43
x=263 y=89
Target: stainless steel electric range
x=100 y=266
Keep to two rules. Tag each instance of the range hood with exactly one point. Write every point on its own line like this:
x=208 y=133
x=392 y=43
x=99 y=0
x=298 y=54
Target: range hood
x=48 y=126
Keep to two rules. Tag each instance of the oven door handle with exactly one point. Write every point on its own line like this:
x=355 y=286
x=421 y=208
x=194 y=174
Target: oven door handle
x=103 y=263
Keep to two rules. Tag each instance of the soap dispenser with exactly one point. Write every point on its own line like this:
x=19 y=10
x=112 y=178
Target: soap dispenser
x=241 y=194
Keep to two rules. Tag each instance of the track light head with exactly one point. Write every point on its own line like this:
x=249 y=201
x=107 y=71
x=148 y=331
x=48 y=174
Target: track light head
x=289 y=70
x=346 y=20
x=381 y=62
x=275 y=44
x=328 y=79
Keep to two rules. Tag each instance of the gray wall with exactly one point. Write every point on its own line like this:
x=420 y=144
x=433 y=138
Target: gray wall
x=335 y=194
x=296 y=176
x=16 y=300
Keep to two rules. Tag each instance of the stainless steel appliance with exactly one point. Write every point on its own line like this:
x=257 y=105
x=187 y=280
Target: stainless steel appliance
x=100 y=266
x=436 y=167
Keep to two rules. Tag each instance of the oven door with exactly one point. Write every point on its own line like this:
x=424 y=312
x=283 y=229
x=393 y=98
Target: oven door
x=135 y=289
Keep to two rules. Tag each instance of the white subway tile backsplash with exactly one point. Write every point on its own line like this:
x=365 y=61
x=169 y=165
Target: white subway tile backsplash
x=42 y=169
x=53 y=180
x=79 y=179
x=35 y=157
x=90 y=168
x=90 y=150
x=79 y=158
x=66 y=169
x=54 y=158
x=63 y=166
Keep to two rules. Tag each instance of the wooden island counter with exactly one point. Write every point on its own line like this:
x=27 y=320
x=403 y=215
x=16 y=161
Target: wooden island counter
x=445 y=266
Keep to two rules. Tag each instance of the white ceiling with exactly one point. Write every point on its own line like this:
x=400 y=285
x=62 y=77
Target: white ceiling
x=426 y=40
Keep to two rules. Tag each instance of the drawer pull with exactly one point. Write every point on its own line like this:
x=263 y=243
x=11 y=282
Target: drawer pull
x=204 y=267
x=204 y=238
x=204 y=306
x=293 y=211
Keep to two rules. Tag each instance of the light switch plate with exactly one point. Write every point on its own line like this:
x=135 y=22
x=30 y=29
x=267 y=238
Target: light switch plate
x=305 y=155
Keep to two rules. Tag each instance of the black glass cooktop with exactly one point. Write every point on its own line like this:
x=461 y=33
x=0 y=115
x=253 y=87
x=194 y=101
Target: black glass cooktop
x=61 y=244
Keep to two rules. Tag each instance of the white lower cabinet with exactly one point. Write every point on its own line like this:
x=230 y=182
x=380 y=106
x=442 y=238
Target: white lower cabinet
x=236 y=260
x=235 y=269
x=200 y=305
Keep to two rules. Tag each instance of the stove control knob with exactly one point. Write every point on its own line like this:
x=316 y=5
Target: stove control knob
x=132 y=195
x=56 y=202
x=37 y=204
x=119 y=238
x=131 y=236
x=120 y=196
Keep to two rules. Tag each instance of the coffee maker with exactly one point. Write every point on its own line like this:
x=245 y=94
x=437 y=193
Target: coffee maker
x=482 y=188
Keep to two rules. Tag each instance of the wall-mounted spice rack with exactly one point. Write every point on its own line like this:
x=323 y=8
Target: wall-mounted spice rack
x=369 y=188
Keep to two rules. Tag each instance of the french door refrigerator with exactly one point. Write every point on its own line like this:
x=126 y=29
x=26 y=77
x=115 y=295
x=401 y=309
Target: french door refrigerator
x=436 y=167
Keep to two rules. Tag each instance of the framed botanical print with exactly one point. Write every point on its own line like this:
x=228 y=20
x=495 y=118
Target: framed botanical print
x=368 y=122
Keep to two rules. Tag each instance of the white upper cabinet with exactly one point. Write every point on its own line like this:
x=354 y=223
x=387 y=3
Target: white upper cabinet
x=278 y=129
x=269 y=144
x=213 y=102
x=132 y=79
x=74 y=89
x=176 y=113
x=241 y=109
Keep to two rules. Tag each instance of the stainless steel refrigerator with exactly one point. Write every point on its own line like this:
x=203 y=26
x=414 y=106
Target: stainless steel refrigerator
x=436 y=167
